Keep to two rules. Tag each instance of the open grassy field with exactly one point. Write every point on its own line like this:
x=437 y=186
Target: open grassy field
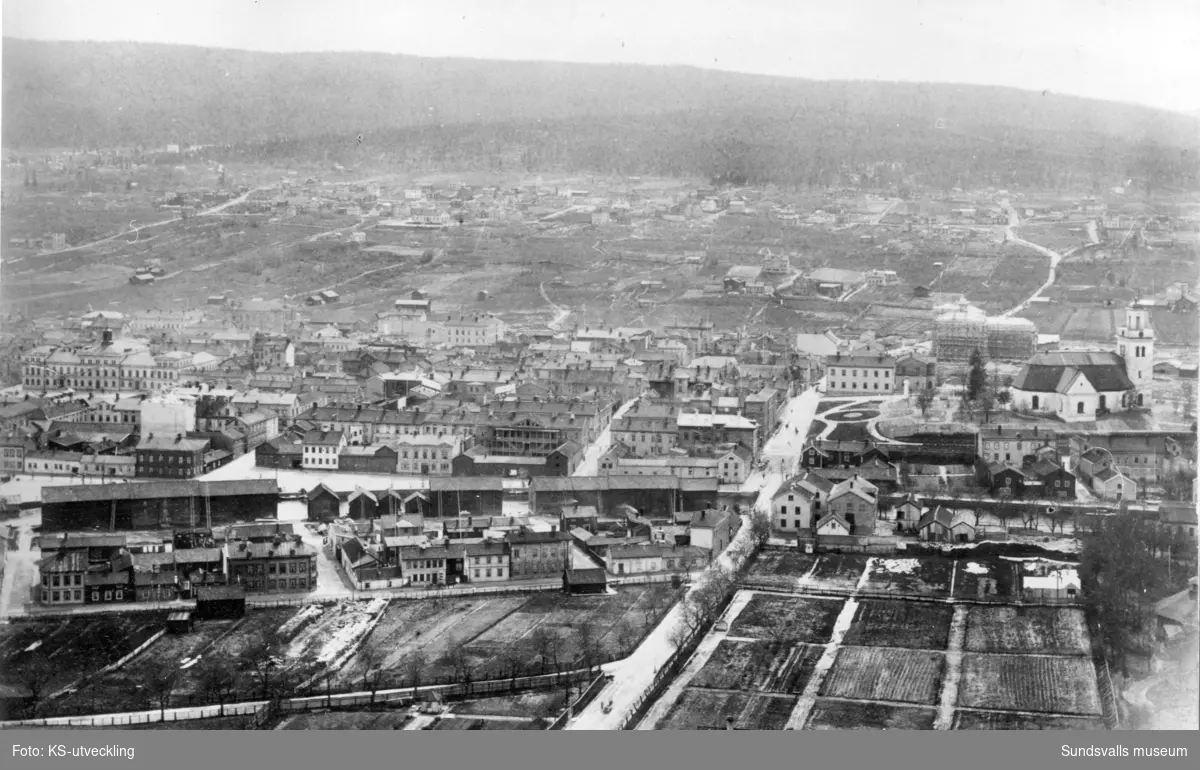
x=805 y=620
x=927 y=576
x=1046 y=630
x=758 y=666
x=872 y=673
x=966 y=719
x=830 y=714
x=839 y=570
x=700 y=709
x=900 y=624
x=1055 y=684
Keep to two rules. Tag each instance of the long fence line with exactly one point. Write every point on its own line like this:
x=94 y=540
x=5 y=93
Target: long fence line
x=299 y=704
x=579 y=704
x=839 y=593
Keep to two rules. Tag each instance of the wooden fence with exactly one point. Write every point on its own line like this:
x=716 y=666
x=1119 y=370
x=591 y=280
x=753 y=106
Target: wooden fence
x=579 y=704
x=340 y=700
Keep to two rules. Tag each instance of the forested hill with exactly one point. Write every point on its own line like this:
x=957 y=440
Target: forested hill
x=109 y=94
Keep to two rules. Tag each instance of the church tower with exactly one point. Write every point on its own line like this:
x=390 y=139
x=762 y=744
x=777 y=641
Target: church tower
x=1135 y=344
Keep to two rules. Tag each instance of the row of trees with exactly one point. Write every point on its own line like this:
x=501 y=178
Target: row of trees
x=1128 y=564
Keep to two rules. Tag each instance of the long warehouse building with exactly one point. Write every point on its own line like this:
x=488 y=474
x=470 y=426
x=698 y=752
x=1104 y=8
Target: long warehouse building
x=157 y=505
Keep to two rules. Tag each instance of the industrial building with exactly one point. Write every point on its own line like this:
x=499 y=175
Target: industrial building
x=157 y=505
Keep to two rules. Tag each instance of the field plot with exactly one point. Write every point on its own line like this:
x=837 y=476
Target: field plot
x=972 y=267
x=759 y=666
x=113 y=692
x=871 y=673
x=965 y=719
x=540 y=703
x=337 y=627
x=927 y=576
x=1090 y=324
x=348 y=720
x=708 y=709
x=495 y=632
x=1059 y=685
x=839 y=570
x=787 y=619
x=986 y=578
x=1047 y=630
x=774 y=565
x=828 y=714
x=258 y=624
x=900 y=624
x=61 y=652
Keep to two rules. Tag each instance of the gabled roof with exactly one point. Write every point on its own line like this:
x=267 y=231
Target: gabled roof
x=939 y=515
x=835 y=517
x=1048 y=372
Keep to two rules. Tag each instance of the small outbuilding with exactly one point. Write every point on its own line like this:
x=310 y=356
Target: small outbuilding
x=179 y=622
x=220 y=602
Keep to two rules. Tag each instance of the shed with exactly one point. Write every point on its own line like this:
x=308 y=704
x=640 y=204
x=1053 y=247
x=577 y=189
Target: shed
x=585 y=581
x=179 y=622
x=220 y=602
x=142 y=279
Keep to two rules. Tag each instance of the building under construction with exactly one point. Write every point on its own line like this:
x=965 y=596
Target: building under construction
x=961 y=329
x=157 y=505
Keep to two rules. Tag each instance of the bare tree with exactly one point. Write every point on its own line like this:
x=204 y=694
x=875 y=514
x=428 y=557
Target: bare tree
x=159 y=678
x=216 y=679
x=415 y=666
x=626 y=636
x=263 y=660
x=37 y=673
x=760 y=528
x=540 y=639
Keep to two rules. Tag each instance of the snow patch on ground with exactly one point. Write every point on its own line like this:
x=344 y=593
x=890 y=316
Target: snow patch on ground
x=349 y=630
x=302 y=617
x=976 y=569
x=899 y=566
x=34 y=646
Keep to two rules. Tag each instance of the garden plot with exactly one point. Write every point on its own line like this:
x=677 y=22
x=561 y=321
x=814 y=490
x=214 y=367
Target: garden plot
x=708 y=709
x=477 y=723
x=840 y=571
x=1054 y=684
x=759 y=666
x=920 y=625
x=258 y=624
x=773 y=566
x=333 y=632
x=966 y=719
x=828 y=714
x=926 y=576
x=872 y=673
x=788 y=619
x=1046 y=630
x=986 y=579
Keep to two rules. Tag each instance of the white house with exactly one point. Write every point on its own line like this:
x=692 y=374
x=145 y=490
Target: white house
x=794 y=506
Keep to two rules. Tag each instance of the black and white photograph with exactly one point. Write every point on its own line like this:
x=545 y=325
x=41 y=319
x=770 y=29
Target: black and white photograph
x=523 y=365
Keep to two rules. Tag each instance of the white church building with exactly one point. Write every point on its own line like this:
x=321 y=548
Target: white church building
x=1075 y=386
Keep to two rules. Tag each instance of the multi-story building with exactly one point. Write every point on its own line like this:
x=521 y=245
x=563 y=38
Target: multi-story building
x=424 y=565
x=427 y=455
x=167 y=457
x=539 y=554
x=284 y=564
x=647 y=429
x=915 y=374
x=472 y=330
x=112 y=365
x=486 y=562
x=12 y=453
x=320 y=449
x=859 y=375
x=696 y=430
x=272 y=350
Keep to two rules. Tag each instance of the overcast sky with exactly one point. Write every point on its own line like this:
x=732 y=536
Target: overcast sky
x=1142 y=51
